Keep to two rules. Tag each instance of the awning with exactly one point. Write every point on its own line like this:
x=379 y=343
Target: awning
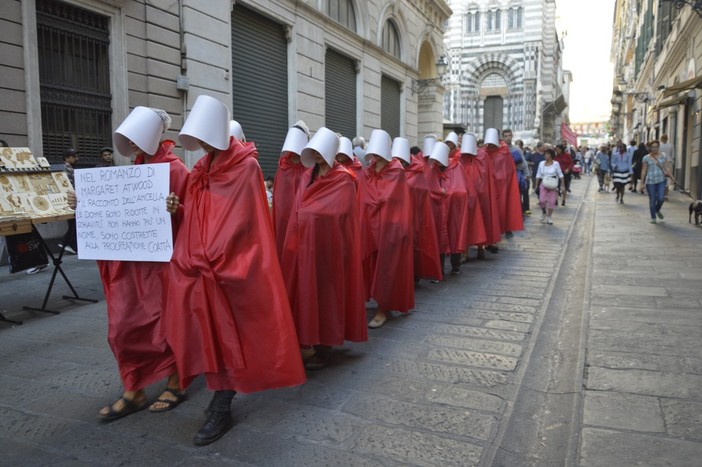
x=671 y=102
x=684 y=86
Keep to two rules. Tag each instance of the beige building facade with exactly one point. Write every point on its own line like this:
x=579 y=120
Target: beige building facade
x=72 y=70
x=657 y=56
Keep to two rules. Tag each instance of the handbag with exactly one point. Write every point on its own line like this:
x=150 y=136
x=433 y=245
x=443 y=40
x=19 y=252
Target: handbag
x=550 y=182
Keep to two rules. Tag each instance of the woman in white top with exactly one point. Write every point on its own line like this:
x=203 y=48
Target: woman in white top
x=549 y=177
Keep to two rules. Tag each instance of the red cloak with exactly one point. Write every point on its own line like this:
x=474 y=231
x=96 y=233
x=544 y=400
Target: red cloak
x=426 y=244
x=386 y=237
x=285 y=185
x=135 y=292
x=449 y=196
x=228 y=315
x=504 y=175
x=356 y=168
x=322 y=261
x=475 y=184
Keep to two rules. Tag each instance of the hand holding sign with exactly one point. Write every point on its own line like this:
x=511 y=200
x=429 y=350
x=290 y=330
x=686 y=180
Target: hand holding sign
x=121 y=213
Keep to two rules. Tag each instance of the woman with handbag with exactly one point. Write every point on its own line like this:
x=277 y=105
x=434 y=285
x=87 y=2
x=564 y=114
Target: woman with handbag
x=549 y=177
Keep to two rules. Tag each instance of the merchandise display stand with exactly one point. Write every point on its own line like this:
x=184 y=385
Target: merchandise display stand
x=31 y=194
x=56 y=261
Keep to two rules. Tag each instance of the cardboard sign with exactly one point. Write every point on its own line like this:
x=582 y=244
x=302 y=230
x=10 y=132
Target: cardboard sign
x=121 y=213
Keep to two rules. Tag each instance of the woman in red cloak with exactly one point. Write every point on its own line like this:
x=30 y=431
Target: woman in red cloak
x=504 y=181
x=322 y=255
x=429 y=142
x=346 y=157
x=449 y=196
x=475 y=184
x=426 y=245
x=386 y=231
x=135 y=291
x=228 y=316
x=287 y=181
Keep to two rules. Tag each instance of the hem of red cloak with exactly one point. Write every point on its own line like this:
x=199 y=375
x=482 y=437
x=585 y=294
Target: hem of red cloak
x=135 y=380
x=224 y=382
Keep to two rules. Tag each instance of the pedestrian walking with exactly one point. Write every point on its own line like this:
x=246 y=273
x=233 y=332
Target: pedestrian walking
x=621 y=170
x=137 y=291
x=346 y=157
x=474 y=184
x=287 y=181
x=587 y=159
x=449 y=196
x=602 y=166
x=656 y=168
x=637 y=165
x=228 y=317
x=549 y=179
x=322 y=254
x=565 y=160
x=426 y=244
x=504 y=178
x=386 y=231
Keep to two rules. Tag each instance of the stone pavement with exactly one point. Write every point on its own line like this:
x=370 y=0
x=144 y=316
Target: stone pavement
x=579 y=343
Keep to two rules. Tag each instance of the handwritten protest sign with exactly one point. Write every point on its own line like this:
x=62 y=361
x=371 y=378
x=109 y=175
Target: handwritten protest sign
x=121 y=213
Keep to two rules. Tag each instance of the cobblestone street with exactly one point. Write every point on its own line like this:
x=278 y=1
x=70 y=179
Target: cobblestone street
x=576 y=344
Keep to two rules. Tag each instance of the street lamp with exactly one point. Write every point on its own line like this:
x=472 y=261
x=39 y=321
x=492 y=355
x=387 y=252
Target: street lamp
x=419 y=85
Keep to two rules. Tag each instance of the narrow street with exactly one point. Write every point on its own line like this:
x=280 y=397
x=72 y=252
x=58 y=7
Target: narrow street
x=576 y=344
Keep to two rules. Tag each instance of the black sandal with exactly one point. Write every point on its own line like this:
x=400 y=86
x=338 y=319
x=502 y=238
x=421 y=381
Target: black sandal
x=170 y=403
x=130 y=406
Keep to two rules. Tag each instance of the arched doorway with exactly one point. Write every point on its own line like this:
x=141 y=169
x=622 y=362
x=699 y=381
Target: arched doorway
x=492 y=114
x=431 y=100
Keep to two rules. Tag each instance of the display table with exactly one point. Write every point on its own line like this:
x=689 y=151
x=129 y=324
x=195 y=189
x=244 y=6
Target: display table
x=32 y=194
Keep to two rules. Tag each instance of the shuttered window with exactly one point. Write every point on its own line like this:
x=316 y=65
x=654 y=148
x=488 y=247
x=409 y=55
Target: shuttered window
x=340 y=93
x=260 y=83
x=390 y=106
x=74 y=81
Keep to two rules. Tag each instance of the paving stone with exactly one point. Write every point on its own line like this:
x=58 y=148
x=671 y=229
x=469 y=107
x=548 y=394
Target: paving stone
x=445 y=373
x=502 y=348
x=503 y=307
x=508 y=326
x=15 y=424
x=416 y=448
x=467 y=398
x=97 y=443
x=607 y=448
x=481 y=332
x=90 y=381
x=628 y=360
x=615 y=341
x=646 y=315
x=442 y=419
x=312 y=393
x=683 y=419
x=467 y=331
x=244 y=445
x=520 y=292
x=645 y=382
x=623 y=411
x=477 y=359
x=65 y=405
x=621 y=289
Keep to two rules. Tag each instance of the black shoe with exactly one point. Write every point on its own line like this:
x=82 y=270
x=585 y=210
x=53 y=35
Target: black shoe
x=492 y=248
x=320 y=359
x=456 y=271
x=621 y=200
x=217 y=424
x=509 y=234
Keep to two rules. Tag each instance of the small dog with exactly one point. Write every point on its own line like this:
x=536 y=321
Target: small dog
x=696 y=207
x=607 y=182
